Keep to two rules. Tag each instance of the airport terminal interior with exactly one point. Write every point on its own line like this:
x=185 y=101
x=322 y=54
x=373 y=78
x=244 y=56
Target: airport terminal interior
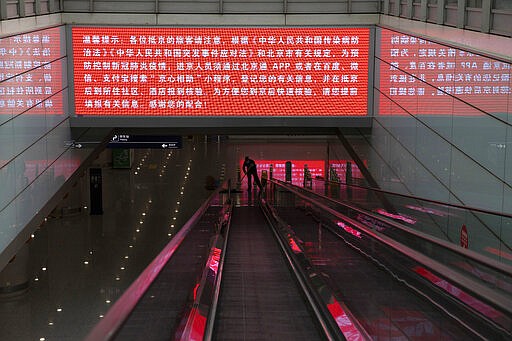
x=255 y=170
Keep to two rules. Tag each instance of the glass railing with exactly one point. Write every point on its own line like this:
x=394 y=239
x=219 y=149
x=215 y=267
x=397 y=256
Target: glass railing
x=119 y=313
x=484 y=232
x=403 y=223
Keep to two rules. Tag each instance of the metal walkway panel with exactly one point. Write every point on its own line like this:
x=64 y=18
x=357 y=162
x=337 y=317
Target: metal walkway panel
x=158 y=312
x=259 y=298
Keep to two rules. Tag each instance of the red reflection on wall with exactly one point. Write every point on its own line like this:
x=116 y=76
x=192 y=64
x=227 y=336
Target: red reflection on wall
x=221 y=71
x=346 y=326
x=316 y=168
x=413 y=63
x=60 y=168
x=28 y=79
x=461 y=295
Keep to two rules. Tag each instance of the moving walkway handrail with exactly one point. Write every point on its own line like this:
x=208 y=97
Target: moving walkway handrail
x=486 y=294
x=441 y=203
x=318 y=293
x=117 y=315
x=472 y=255
x=471 y=210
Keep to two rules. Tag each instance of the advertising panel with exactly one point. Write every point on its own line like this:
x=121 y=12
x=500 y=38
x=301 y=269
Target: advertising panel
x=221 y=71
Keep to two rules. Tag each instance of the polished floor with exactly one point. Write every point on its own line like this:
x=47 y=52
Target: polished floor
x=80 y=263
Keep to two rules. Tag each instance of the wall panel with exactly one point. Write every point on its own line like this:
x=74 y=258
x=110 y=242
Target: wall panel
x=461 y=104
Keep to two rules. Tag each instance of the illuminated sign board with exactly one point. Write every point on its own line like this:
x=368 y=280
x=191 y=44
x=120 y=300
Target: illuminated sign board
x=341 y=169
x=412 y=63
x=220 y=71
x=316 y=168
x=28 y=77
x=145 y=141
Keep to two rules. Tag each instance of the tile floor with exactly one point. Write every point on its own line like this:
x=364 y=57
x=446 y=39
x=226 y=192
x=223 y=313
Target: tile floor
x=80 y=264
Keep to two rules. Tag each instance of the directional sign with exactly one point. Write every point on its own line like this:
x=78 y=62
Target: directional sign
x=145 y=141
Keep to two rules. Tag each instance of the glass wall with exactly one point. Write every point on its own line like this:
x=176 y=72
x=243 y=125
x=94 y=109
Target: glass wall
x=35 y=159
x=445 y=118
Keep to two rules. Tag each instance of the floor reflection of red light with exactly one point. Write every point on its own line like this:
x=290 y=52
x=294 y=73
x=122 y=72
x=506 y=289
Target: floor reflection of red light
x=195 y=291
x=458 y=293
x=346 y=326
x=349 y=229
x=294 y=245
x=398 y=216
x=214 y=260
x=198 y=325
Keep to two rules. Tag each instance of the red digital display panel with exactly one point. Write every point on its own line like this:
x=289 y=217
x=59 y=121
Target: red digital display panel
x=315 y=167
x=341 y=169
x=422 y=76
x=221 y=71
x=28 y=77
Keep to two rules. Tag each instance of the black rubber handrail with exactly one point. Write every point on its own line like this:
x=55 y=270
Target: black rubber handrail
x=441 y=203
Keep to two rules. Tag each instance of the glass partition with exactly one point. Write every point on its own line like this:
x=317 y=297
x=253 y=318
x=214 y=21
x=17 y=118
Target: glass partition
x=386 y=214
x=484 y=232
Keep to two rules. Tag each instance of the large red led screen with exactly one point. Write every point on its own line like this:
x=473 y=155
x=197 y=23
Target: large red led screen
x=315 y=167
x=221 y=71
x=423 y=77
x=31 y=73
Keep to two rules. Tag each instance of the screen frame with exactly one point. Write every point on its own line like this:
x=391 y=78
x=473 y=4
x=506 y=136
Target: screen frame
x=220 y=121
